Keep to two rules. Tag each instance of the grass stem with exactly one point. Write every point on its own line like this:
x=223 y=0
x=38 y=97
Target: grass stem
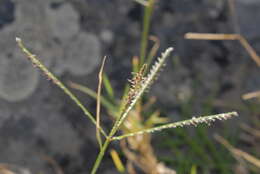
x=100 y=156
x=146 y=27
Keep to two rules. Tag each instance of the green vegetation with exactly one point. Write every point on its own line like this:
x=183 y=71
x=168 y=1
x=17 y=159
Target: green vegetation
x=139 y=85
x=132 y=115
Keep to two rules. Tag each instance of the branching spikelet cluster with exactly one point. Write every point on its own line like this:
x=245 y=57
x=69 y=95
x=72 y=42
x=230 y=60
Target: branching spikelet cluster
x=191 y=122
x=139 y=83
x=136 y=83
x=148 y=81
x=156 y=69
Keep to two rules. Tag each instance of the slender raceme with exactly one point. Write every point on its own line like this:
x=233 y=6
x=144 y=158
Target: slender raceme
x=35 y=61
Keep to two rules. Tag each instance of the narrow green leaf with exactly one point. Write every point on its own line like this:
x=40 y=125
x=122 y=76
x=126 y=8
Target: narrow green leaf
x=117 y=161
x=106 y=103
x=108 y=87
x=155 y=119
x=146 y=27
x=193 y=169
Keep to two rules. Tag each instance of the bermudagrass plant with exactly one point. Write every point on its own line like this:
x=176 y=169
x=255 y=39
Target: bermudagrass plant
x=140 y=84
x=138 y=149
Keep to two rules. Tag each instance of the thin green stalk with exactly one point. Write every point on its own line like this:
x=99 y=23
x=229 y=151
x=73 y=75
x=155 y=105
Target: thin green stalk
x=92 y=94
x=146 y=27
x=100 y=156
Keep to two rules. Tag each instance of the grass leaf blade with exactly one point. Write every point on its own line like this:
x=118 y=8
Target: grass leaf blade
x=108 y=87
x=106 y=103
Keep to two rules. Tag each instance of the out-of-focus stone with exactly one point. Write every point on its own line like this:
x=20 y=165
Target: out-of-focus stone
x=18 y=78
x=214 y=8
x=82 y=54
x=107 y=36
x=63 y=21
x=248 y=1
x=34 y=31
x=7 y=9
x=208 y=72
x=248 y=11
x=175 y=90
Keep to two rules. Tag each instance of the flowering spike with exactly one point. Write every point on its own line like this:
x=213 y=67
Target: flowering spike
x=194 y=121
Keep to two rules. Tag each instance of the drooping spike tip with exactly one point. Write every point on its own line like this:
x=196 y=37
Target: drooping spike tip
x=17 y=39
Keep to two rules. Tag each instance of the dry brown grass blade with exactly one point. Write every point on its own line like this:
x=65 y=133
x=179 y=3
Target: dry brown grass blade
x=138 y=153
x=100 y=76
x=130 y=155
x=130 y=168
x=251 y=95
x=156 y=45
x=4 y=169
x=252 y=131
x=211 y=36
x=153 y=50
x=249 y=49
x=237 y=152
x=240 y=38
x=162 y=169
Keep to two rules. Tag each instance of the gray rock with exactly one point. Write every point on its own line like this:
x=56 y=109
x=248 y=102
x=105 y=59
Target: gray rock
x=247 y=2
x=214 y=8
x=82 y=54
x=107 y=36
x=18 y=78
x=63 y=22
x=175 y=90
x=248 y=12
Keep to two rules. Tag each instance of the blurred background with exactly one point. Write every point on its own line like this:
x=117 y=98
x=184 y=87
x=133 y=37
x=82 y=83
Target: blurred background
x=41 y=129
